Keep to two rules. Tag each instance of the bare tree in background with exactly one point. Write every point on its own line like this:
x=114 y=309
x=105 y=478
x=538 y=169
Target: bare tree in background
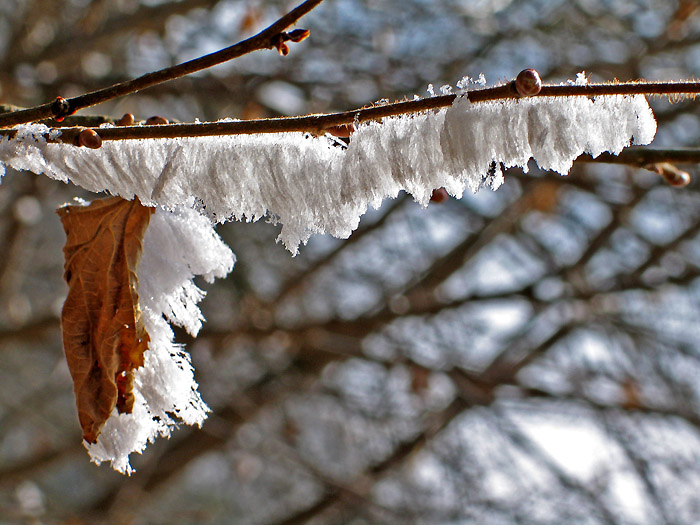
x=524 y=356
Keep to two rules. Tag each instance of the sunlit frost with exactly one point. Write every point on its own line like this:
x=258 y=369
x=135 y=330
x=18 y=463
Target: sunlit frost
x=312 y=185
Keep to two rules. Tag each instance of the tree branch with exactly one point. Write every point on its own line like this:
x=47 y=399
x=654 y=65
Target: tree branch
x=60 y=107
x=319 y=123
x=436 y=422
x=641 y=156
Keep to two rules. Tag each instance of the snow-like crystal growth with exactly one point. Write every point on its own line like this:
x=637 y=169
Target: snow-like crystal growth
x=553 y=131
x=177 y=246
x=311 y=185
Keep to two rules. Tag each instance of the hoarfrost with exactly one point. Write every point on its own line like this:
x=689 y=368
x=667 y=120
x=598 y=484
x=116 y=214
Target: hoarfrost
x=165 y=392
x=310 y=185
x=466 y=82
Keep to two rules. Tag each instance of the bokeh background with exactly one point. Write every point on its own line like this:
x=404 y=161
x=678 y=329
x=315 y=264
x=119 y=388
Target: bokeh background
x=530 y=355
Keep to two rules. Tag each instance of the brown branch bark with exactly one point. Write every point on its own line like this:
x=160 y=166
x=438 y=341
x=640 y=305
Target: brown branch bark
x=641 y=156
x=319 y=123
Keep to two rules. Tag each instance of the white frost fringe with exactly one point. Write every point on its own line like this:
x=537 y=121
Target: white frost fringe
x=311 y=185
x=177 y=246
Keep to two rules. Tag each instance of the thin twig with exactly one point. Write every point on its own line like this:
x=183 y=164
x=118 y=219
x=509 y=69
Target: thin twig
x=266 y=39
x=642 y=156
x=321 y=122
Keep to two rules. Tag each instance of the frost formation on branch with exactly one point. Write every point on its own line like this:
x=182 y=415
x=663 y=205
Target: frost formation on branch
x=314 y=185
x=310 y=185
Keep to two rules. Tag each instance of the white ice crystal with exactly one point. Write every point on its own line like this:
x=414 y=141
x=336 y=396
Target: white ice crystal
x=466 y=82
x=177 y=246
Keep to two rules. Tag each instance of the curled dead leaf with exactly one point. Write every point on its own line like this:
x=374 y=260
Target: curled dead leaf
x=103 y=335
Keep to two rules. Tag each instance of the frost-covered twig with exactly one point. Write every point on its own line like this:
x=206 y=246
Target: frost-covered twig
x=318 y=124
x=269 y=38
x=317 y=183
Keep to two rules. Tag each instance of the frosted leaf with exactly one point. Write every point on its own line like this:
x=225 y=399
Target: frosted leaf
x=311 y=185
x=177 y=246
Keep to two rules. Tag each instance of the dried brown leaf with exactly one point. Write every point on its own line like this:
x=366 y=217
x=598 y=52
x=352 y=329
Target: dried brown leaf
x=103 y=335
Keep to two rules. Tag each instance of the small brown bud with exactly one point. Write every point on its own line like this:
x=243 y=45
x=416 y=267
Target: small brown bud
x=439 y=195
x=282 y=48
x=528 y=83
x=679 y=179
x=343 y=131
x=60 y=108
x=278 y=42
x=90 y=139
x=672 y=175
x=298 y=35
x=156 y=120
x=126 y=120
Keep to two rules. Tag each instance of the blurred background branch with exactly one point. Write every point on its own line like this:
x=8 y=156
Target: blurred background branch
x=522 y=356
